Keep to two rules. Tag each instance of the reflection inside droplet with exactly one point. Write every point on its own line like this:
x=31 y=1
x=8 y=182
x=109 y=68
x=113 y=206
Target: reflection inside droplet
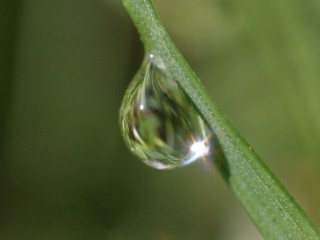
x=199 y=148
x=158 y=123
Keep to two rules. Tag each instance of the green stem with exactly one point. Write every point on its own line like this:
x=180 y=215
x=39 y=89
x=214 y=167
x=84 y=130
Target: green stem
x=269 y=205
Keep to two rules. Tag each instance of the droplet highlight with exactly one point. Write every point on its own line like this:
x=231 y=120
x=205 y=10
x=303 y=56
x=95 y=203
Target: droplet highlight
x=157 y=121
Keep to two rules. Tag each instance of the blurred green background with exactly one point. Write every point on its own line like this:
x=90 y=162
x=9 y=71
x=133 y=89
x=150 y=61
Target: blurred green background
x=64 y=66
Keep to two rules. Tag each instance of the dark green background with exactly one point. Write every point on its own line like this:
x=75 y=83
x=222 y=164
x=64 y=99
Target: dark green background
x=64 y=65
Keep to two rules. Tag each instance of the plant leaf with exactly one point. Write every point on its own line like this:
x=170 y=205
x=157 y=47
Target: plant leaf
x=267 y=202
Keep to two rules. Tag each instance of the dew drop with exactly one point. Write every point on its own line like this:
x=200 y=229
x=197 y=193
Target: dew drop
x=158 y=123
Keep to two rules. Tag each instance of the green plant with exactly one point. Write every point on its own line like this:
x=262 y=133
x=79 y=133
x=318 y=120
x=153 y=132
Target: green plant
x=269 y=205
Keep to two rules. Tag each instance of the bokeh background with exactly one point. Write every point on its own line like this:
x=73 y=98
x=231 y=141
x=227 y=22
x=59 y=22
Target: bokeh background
x=65 y=172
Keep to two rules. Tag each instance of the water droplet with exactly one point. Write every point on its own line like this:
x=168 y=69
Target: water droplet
x=157 y=121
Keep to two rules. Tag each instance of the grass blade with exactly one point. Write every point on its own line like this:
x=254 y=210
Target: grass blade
x=269 y=205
